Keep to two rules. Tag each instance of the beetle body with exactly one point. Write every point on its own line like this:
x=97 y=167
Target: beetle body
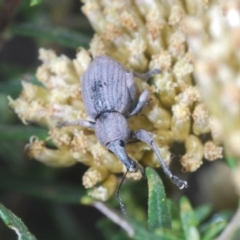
x=109 y=93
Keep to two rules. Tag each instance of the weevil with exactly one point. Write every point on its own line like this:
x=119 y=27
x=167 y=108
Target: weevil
x=109 y=94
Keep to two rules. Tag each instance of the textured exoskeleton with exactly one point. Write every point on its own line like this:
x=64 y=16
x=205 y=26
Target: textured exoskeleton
x=109 y=94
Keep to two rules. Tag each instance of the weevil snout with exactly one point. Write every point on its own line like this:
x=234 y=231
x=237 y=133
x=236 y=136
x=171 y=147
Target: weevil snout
x=118 y=149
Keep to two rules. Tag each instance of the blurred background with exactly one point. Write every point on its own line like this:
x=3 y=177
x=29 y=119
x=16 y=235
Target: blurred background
x=47 y=199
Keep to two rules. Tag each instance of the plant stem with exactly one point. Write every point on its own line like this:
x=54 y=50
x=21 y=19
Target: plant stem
x=231 y=227
x=108 y=212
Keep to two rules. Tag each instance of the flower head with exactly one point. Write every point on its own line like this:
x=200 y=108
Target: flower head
x=198 y=40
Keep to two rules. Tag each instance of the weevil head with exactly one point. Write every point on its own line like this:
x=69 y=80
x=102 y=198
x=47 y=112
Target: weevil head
x=112 y=131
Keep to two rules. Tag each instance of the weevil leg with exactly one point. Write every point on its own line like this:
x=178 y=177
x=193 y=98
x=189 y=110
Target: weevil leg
x=145 y=136
x=147 y=75
x=118 y=149
x=131 y=84
x=142 y=101
x=83 y=123
x=118 y=197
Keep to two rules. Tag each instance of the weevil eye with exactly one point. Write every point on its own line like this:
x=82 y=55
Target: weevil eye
x=121 y=143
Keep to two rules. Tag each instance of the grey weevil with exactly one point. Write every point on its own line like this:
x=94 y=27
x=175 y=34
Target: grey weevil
x=109 y=94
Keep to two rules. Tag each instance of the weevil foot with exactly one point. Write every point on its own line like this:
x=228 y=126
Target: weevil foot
x=180 y=183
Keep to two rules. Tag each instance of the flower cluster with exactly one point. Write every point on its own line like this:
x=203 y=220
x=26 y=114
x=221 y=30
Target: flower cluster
x=141 y=35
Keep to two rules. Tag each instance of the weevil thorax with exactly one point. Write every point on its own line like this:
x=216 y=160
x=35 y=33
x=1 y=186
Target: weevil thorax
x=112 y=126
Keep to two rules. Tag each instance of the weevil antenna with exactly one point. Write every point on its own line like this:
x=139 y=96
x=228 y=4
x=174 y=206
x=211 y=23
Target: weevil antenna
x=118 y=192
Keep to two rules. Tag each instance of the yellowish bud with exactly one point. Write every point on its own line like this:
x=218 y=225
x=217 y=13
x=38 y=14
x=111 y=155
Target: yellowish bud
x=212 y=151
x=166 y=88
x=60 y=137
x=192 y=160
x=189 y=96
x=162 y=61
x=105 y=190
x=180 y=122
x=56 y=158
x=177 y=49
x=159 y=117
x=182 y=70
x=93 y=12
x=135 y=176
x=94 y=175
x=176 y=15
x=201 y=119
x=150 y=159
x=81 y=62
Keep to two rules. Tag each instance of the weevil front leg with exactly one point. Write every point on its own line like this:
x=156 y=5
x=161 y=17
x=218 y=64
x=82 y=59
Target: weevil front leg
x=147 y=75
x=142 y=101
x=83 y=123
x=144 y=136
x=144 y=76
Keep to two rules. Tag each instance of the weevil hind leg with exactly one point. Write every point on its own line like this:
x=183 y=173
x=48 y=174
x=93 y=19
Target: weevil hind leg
x=83 y=123
x=144 y=136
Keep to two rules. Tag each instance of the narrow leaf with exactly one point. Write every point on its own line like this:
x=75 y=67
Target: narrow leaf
x=21 y=132
x=158 y=209
x=189 y=220
x=232 y=162
x=57 y=192
x=236 y=234
x=202 y=212
x=141 y=233
x=223 y=216
x=214 y=230
x=61 y=36
x=15 y=224
x=35 y=2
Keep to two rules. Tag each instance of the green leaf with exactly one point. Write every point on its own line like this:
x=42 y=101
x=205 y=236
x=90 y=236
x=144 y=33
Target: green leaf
x=57 y=192
x=110 y=231
x=232 y=162
x=64 y=37
x=141 y=233
x=175 y=216
x=202 y=212
x=158 y=209
x=214 y=229
x=236 y=234
x=35 y=2
x=21 y=133
x=189 y=220
x=223 y=216
x=15 y=224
